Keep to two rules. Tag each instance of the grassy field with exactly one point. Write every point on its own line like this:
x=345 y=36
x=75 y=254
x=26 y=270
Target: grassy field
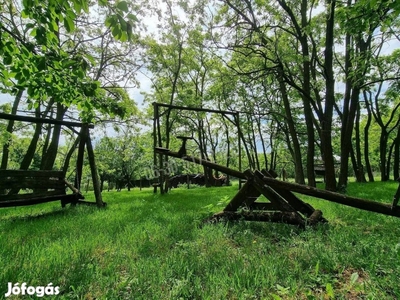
x=146 y=246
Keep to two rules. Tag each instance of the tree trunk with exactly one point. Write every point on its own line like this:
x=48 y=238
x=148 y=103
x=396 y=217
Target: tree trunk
x=326 y=126
x=359 y=171
x=9 y=130
x=51 y=153
x=69 y=155
x=228 y=151
x=355 y=78
x=382 y=153
x=366 y=140
x=298 y=164
x=389 y=159
x=30 y=152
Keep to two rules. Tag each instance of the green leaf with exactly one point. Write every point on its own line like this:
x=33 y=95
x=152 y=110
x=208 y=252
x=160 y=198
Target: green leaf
x=85 y=6
x=123 y=5
x=116 y=32
x=29 y=25
x=353 y=278
x=33 y=32
x=26 y=73
x=7 y=59
x=122 y=23
x=31 y=91
x=54 y=25
x=132 y=17
x=77 y=6
x=110 y=21
x=10 y=47
x=41 y=64
x=69 y=24
x=68 y=63
x=329 y=291
x=25 y=14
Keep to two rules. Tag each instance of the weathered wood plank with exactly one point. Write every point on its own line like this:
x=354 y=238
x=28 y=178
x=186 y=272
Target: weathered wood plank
x=226 y=112
x=42 y=121
x=202 y=162
x=32 y=195
x=30 y=174
x=32 y=201
x=363 y=204
x=240 y=198
x=276 y=217
x=316 y=217
x=24 y=183
x=305 y=208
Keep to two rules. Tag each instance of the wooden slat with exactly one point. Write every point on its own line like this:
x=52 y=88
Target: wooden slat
x=30 y=174
x=32 y=201
x=226 y=112
x=42 y=121
x=24 y=183
x=32 y=195
x=277 y=217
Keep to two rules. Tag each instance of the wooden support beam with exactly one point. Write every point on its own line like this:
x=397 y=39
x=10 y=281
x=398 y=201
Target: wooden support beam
x=263 y=206
x=202 y=162
x=196 y=109
x=276 y=217
x=42 y=121
x=275 y=198
x=93 y=169
x=305 y=208
x=240 y=198
x=32 y=201
x=396 y=197
x=363 y=204
x=315 y=218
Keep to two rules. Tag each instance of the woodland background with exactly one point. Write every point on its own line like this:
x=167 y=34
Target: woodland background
x=314 y=82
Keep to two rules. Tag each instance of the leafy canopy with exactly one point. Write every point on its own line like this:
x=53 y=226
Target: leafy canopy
x=33 y=57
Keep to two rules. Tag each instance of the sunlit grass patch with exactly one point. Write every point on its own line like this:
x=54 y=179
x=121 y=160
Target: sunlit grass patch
x=148 y=246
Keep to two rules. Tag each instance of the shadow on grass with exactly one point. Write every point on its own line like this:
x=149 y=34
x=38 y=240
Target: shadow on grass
x=45 y=213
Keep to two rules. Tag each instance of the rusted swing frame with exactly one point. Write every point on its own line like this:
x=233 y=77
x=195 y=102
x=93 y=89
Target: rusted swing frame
x=53 y=177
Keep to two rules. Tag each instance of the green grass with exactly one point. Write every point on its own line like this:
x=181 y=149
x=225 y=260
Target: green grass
x=146 y=246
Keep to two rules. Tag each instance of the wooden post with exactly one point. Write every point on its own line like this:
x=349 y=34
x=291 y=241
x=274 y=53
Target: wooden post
x=155 y=117
x=81 y=152
x=160 y=157
x=93 y=168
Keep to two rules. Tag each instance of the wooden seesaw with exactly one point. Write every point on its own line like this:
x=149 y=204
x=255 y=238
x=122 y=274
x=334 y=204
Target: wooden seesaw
x=283 y=205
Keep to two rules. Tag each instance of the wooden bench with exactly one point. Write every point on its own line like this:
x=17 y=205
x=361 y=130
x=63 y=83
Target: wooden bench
x=23 y=187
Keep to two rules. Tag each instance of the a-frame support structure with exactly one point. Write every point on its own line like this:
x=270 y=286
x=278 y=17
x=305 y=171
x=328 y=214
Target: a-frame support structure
x=282 y=205
x=49 y=185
